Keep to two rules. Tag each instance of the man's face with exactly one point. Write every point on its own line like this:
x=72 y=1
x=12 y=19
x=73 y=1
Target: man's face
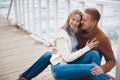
x=87 y=22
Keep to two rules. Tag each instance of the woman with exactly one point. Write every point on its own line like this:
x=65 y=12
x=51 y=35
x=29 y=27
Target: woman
x=79 y=62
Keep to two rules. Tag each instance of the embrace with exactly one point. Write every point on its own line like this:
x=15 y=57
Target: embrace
x=77 y=50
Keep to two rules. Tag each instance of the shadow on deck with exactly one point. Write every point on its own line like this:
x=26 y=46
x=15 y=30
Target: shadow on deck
x=18 y=52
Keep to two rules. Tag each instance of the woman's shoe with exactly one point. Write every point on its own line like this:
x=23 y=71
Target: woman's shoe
x=21 y=78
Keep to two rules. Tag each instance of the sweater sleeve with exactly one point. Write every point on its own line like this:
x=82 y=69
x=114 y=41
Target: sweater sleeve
x=64 y=50
x=107 y=52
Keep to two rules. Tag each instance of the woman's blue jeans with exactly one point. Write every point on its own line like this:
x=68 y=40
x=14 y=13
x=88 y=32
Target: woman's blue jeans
x=38 y=66
x=78 y=69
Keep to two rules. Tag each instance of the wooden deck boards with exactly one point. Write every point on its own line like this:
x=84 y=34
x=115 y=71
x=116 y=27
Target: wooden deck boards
x=18 y=51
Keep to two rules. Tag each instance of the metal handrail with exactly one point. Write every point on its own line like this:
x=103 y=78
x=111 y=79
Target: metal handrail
x=9 y=10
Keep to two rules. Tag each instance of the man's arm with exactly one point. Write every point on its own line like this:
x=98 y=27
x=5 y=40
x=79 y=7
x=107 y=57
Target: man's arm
x=107 y=52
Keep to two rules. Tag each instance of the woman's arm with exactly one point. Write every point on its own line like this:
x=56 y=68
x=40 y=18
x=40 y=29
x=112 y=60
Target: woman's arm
x=64 y=50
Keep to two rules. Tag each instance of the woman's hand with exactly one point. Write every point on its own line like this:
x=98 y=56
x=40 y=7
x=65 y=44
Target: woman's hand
x=93 y=43
x=54 y=50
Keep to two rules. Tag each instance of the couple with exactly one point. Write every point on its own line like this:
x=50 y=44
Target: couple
x=79 y=50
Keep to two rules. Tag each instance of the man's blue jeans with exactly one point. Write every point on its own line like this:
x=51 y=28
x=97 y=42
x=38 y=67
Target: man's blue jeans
x=79 y=68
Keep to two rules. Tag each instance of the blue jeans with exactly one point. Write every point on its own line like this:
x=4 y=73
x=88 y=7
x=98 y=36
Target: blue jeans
x=38 y=66
x=78 y=69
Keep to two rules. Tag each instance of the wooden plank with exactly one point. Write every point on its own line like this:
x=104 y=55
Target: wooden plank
x=18 y=52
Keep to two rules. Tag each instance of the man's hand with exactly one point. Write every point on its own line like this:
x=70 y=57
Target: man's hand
x=93 y=43
x=97 y=70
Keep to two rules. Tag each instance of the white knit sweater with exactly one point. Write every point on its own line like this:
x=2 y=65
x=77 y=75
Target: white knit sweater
x=63 y=44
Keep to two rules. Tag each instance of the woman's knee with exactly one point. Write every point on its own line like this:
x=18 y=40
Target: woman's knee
x=94 y=53
x=47 y=55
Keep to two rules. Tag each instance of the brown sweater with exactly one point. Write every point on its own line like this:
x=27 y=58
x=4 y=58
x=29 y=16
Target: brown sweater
x=104 y=48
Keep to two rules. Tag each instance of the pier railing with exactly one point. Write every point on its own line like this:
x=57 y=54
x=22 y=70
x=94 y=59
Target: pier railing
x=42 y=18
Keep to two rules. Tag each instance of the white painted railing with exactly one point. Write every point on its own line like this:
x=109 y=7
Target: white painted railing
x=26 y=10
x=33 y=17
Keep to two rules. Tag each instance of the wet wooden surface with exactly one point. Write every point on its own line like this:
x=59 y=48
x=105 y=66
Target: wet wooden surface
x=18 y=51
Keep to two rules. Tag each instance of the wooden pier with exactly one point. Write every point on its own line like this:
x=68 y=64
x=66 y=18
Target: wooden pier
x=18 y=51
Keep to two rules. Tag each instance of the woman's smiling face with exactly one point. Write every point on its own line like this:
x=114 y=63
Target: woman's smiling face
x=75 y=21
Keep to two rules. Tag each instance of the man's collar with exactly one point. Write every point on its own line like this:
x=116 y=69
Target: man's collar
x=92 y=33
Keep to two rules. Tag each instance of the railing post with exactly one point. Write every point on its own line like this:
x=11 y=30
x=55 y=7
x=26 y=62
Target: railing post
x=118 y=57
x=48 y=20
x=81 y=6
x=16 y=13
x=68 y=1
x=23 y=14
x=40 y=21
x=56 y=13
x=20 y=3
x=33 y=17
x=100 y=8
x=28 y=16
x=19 y=13
x=9 y=10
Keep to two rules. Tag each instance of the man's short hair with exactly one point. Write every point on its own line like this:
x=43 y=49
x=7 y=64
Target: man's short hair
x=94 y=13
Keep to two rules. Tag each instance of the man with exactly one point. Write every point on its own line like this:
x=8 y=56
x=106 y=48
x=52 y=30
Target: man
x=90 y=30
